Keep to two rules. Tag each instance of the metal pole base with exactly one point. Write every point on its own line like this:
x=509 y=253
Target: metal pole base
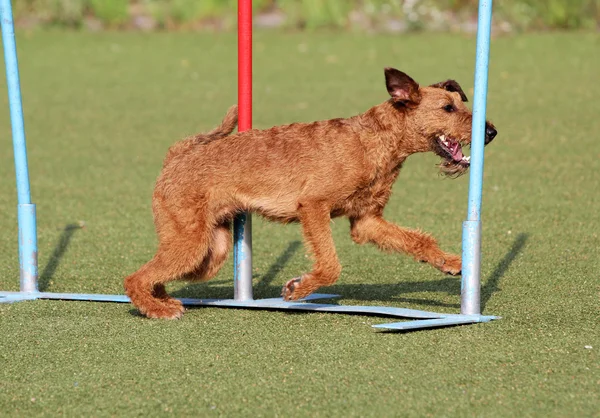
x=28 y=247
x=470 y=289
x=421 y=319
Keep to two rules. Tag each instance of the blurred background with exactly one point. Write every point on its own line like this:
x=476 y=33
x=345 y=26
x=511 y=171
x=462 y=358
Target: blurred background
x=353 y=15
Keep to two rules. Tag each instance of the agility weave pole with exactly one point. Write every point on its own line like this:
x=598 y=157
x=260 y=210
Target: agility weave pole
x=242 y=225
x=470 y=286
x=470 y=291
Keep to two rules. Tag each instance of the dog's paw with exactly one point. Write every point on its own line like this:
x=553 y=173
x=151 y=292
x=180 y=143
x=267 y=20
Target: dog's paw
x=165 y=309
x=289 y=289
x=299 y=288
x=452 y=264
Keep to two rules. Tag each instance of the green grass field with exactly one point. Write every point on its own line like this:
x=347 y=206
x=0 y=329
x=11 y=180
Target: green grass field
x=101 y=111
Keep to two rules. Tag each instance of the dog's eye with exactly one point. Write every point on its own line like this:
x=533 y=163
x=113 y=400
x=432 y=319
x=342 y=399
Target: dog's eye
x=449 y=108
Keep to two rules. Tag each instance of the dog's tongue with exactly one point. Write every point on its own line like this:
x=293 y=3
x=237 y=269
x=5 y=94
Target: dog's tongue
x=456 y=151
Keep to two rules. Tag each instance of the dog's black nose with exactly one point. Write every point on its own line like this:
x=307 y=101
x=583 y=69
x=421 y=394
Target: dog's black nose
x=490 y=133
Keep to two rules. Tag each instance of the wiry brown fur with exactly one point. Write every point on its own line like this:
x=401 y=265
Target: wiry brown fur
x=303 y=172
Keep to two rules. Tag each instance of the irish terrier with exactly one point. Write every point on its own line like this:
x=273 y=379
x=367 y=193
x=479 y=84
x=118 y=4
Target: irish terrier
x=303 y=172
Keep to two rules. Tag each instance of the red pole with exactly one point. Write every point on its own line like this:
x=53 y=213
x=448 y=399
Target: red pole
x=242 y=226
x=245 y=64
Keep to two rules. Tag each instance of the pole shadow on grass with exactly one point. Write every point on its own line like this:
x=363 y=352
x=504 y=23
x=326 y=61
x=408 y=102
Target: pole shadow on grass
x=263 y=287
x=59 y=251
x=261 y=290
x=491 y=285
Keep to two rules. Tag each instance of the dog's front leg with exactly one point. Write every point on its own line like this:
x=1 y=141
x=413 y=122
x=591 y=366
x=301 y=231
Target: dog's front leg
x=315 y=221
x=390 y=237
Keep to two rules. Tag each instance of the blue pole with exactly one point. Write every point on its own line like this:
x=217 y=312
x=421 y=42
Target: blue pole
x=26 y=210
x=471 y=254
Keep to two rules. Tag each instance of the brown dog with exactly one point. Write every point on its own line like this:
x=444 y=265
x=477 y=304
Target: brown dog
x=306 y=172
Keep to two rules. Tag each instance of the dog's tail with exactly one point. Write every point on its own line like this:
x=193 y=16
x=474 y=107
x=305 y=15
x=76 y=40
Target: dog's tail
x=225 y=128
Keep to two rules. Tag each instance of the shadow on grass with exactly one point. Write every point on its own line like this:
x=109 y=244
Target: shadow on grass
x=491 y=285
x=448 y=285
x=59 y=251
x=261 y=290
x=263 y=287
x=386 y=292
x=391 y=292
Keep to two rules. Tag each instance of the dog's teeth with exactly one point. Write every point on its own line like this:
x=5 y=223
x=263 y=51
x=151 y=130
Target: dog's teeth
x=467 y=159
x=443 y=138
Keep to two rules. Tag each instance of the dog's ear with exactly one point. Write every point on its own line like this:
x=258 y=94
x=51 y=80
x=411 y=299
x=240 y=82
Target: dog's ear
x=453 y=86
x=401 y=87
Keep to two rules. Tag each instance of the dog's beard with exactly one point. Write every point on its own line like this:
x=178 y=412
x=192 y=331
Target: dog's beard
x=453 y=169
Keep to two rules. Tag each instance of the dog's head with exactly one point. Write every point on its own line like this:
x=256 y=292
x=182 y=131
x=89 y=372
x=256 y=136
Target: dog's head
x=438 y=118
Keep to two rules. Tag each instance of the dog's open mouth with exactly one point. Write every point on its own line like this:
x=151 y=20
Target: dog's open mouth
x=452 y=150
x=454 y=163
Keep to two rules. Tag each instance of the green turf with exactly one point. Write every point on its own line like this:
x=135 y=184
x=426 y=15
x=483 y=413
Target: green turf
x=101 y=110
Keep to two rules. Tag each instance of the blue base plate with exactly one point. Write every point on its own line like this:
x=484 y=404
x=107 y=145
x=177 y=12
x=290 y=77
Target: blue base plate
x=421 y=319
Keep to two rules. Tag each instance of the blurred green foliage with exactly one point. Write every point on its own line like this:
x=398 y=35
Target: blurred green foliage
x=307 y=14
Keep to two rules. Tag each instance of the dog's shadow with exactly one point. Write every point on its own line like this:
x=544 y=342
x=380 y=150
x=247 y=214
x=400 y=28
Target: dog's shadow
x=381 y=292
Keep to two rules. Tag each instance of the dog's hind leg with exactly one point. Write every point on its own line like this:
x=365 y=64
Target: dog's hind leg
x=217 y=254
x=146 y=288
x=390 y=237
x=184 y=243
x=315 y=219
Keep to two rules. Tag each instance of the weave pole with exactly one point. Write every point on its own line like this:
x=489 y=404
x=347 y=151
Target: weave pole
x=242 y=226
x=470 y=303
x=26 y=210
